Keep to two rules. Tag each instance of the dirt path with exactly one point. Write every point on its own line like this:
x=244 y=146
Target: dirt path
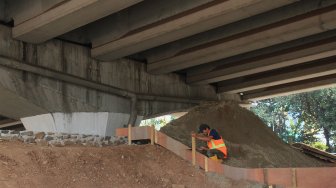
x=23 y=165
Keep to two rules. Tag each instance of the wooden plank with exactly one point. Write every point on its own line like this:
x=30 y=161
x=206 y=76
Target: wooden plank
x=315 y=152
x=152 y=134
x=294 y=181
x=193 y=150
x=129 y=134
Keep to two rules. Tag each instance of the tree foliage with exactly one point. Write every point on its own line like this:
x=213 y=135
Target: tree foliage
x=302 y=117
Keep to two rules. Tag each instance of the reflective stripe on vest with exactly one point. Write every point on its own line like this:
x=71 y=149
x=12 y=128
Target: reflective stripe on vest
x=214 y=146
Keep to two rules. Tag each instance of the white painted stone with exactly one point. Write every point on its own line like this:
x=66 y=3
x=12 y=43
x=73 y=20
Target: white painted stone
x=100 y=123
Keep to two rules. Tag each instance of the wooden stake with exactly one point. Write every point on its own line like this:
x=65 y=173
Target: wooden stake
x=155 y=137
x=294 y=183
x=193 y=150
x=129 y=134
x=152 y=135
x=206 y=168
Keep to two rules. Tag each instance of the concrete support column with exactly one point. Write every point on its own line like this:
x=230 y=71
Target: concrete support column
x=95 y=123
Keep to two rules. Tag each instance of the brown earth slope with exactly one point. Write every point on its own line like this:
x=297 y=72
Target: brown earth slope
x=251 y=144
x=23 y=165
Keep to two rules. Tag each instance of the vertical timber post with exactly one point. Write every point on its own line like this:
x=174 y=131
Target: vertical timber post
x=206 y=168
x=294 y=182
x=132 y=119
x=152 y=134
x=129 y=134
x=193 y=150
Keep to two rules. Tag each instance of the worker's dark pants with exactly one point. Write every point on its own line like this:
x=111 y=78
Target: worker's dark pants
x=213 y=152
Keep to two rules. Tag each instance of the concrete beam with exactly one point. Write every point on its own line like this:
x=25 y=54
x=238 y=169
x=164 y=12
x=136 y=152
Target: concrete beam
x=235 y=42
x=292 y=88
x=2 y=11
x=264 y=52
x=56 y=75
x=315 y=69
x=9 y=123
x=289 y=57
x=187 y=23
x=236 y=28
x=66 y=16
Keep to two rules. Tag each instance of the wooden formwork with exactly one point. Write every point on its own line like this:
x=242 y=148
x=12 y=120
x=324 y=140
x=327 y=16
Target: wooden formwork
x=284 y=177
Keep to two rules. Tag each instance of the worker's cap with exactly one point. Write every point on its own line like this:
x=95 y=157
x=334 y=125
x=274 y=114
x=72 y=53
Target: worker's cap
x=202 y=127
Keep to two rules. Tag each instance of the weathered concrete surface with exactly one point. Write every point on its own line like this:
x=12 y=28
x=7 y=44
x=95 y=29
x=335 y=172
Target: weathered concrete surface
x=2 y=10
x=64 y=17
x=101 y=123
x=22 y=10
x=286 y=12
x=193 y=21
x=137 y=16
x=56 y=96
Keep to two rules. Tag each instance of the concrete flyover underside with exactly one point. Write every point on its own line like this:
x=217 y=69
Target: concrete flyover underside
x=145 y=58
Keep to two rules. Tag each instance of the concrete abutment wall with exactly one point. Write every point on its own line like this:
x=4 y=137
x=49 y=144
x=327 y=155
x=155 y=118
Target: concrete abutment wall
x=28 y=94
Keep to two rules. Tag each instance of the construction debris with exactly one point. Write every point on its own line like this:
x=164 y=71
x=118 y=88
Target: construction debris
x=315 y=152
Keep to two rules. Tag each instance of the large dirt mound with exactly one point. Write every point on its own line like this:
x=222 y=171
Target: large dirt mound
x=251 y=144
x=23 y=165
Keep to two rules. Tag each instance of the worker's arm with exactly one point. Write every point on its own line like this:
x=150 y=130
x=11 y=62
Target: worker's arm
x=202 y=137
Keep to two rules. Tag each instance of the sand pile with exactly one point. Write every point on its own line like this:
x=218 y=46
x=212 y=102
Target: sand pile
x=251 y=144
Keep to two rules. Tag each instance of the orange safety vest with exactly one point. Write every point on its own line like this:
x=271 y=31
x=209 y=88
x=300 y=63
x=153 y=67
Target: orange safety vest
x=218 y=144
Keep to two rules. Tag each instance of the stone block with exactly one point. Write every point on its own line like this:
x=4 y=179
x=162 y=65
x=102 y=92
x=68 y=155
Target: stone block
x=28 y=139
x=98 y=139
x=89 y=138
x=11 y=137
x=4 y=131
x=14 y=132
x=106 y=143
x=55 y=143
x=41 y=142
x=49 y=138
x=67 y=142
x=66 y=136
x=74 y=136
x=26 y=133
x=39 y=135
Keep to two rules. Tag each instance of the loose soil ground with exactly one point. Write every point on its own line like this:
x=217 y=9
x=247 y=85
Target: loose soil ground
x=251 y=144
x=29 y=165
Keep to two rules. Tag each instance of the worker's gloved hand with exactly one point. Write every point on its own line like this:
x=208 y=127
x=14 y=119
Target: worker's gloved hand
x=202 y=148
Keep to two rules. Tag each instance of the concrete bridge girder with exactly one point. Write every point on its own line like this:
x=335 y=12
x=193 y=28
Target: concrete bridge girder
x=60 y=17
x=315 y=69
x=288 y=58
x=219 y=50
x=177 y=27
x=237 y=29
x=292 y=88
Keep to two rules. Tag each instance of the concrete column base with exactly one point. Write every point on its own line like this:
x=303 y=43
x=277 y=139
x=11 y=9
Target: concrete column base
x=96 y=123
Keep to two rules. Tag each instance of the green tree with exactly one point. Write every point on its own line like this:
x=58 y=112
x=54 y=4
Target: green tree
x=300 y=117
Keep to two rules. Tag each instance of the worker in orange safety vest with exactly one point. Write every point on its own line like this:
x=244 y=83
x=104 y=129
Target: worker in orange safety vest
x=216 y=147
